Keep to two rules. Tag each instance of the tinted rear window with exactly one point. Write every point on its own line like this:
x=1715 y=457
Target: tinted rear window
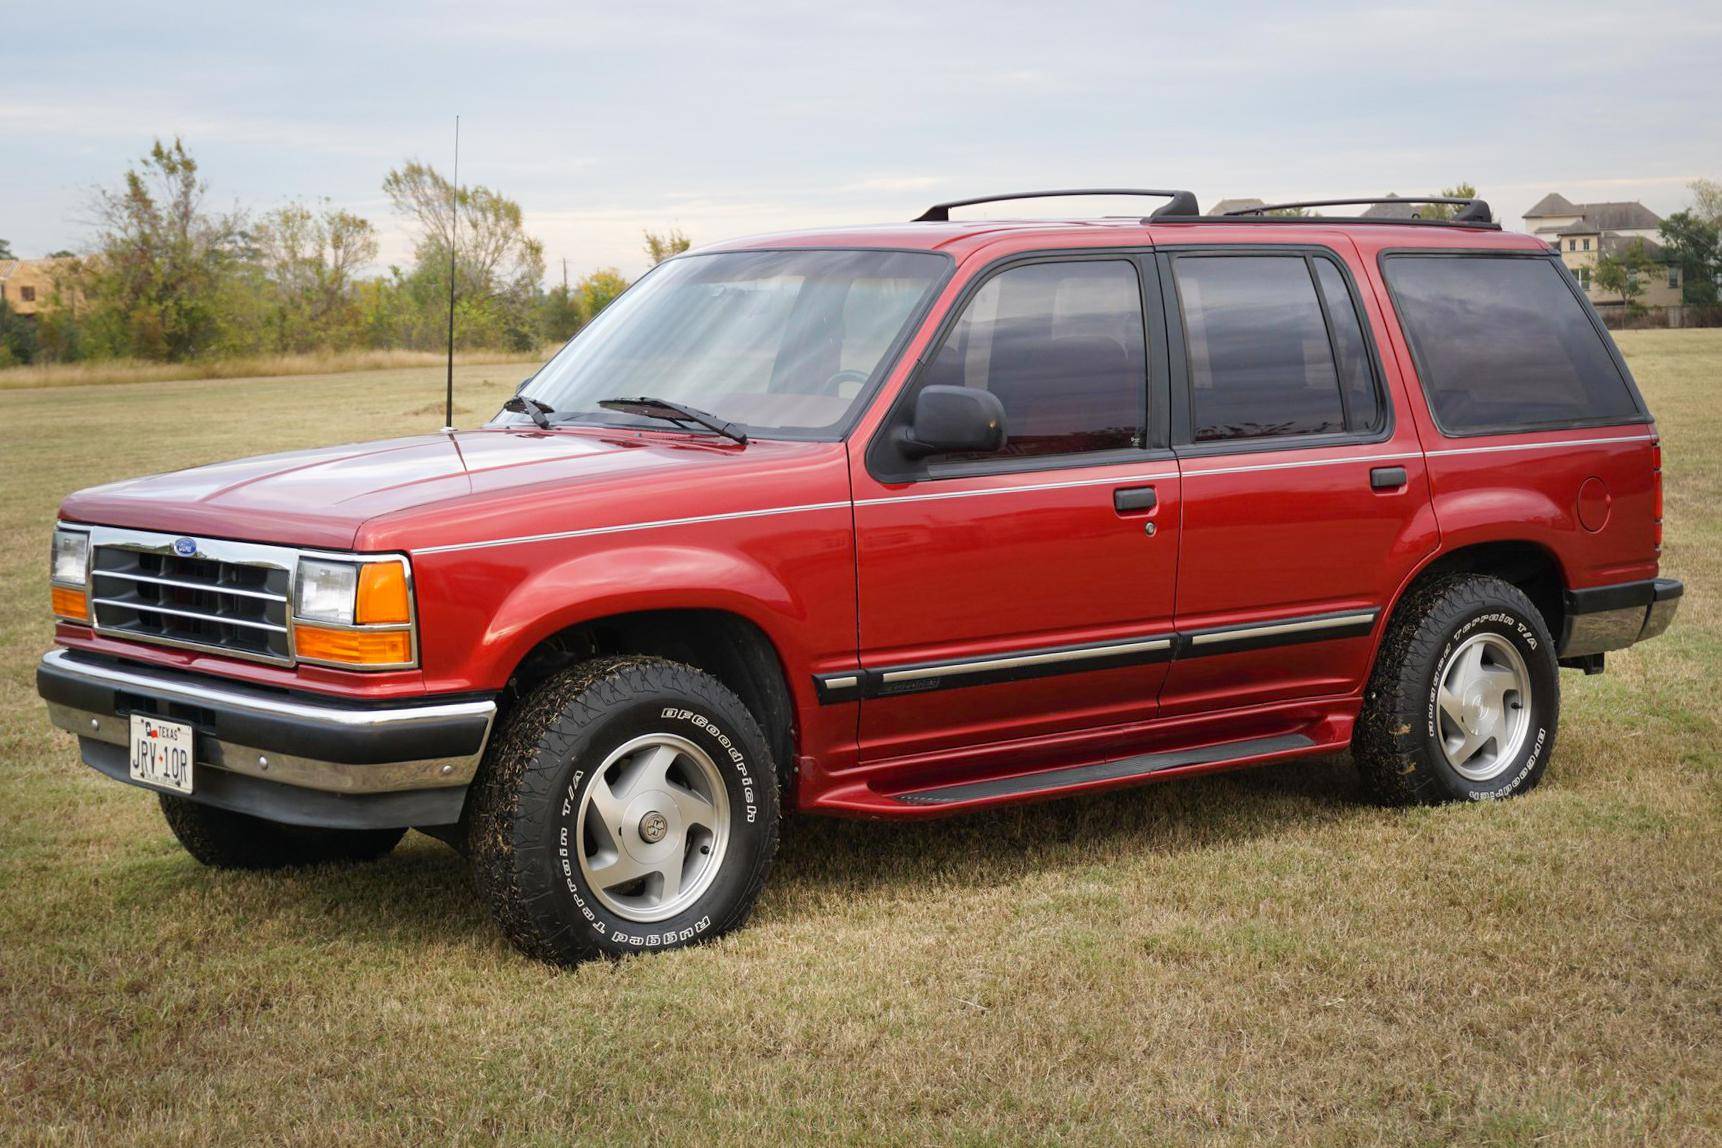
x=1502 y=343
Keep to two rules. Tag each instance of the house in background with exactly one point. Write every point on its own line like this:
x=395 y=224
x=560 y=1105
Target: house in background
x=1584 y=232
x=27 y=285
x=1229 y=205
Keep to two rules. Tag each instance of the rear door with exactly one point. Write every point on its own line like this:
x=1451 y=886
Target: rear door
x=1305 y=499
x=1028 y=594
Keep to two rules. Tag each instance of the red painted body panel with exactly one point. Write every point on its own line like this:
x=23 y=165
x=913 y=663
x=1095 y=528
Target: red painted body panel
x=935 y=564
x=517 y=534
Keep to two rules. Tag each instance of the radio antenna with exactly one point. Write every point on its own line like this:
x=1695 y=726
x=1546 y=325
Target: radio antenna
x=453 y=234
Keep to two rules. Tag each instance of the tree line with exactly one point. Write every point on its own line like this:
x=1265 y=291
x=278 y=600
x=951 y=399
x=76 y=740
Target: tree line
x=169 y=277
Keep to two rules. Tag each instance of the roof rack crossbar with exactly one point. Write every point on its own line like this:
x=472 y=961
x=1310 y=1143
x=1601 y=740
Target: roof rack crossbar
x=941 y=212
x=1475 y=210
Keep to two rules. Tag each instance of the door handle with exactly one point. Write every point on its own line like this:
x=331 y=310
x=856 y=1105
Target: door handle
x=1386 y=477
x=1133 y=498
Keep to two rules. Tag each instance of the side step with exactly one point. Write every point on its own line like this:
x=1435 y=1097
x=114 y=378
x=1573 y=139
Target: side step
x=1139 y=766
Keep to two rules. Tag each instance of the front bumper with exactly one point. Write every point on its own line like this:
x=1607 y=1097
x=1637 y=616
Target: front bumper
x=1613 y=617
x=297 y=758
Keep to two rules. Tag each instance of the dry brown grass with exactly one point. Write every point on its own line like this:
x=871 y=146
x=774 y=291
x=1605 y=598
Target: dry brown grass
x=112 y=371
x=1245 y=958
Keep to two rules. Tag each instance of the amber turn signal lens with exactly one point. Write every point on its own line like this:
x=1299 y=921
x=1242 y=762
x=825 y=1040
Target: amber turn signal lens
x=382 y=594
x=70 y=604
x=354 y=647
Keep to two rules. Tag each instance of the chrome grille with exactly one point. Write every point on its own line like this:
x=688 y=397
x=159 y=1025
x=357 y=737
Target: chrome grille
x=226 y=597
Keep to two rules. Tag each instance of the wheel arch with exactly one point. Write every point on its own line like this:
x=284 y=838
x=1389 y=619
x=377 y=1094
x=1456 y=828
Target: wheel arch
x=728 y=645
x=1531 y=566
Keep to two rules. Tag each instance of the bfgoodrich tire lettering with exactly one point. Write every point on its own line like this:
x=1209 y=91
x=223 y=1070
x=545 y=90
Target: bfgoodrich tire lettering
x=530 y=840
x=1413 y=741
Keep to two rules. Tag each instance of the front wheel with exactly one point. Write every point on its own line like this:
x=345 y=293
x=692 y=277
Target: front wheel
x=1464 y=699
x=630 y=805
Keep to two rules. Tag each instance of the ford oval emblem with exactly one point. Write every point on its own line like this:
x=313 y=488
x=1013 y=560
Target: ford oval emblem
x=185 y=547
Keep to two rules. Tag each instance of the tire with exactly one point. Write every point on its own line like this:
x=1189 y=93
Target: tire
x=223 y=839
x=587 y=769
x=1460 y=657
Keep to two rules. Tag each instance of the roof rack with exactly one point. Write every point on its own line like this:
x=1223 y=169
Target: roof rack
x=1474 y=212
x=1181 y=203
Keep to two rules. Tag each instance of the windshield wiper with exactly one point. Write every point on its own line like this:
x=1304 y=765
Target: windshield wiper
x=676 y=413
x=521 y=405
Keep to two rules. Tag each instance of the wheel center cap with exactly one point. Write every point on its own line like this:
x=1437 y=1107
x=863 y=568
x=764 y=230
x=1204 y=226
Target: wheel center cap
x=653 y=826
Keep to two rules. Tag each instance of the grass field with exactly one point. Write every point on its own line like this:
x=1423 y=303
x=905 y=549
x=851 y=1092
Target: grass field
x=109 y=372
x=1249 y=956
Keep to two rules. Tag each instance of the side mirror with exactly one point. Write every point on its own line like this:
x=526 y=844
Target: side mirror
x=953 y=420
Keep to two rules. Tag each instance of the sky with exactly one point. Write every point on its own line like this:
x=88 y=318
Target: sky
x=737 y=118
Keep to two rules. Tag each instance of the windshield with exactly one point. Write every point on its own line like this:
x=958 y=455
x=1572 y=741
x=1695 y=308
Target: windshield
x=775 y=341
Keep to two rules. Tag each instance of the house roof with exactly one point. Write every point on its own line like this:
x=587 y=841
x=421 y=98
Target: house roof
x=1226 y=205
x=1629 y=215
x=1554 y=203
x=1395 y=210
x=1616 y=244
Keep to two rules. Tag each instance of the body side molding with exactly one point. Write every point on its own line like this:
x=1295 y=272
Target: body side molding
x=919 y=677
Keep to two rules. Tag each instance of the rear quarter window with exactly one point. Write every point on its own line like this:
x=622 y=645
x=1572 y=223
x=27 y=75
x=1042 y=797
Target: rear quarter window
x=1503 y=343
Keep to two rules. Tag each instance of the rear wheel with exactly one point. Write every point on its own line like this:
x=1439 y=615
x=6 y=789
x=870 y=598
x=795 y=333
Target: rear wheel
x=630 y=805
x=226 y=840
x=1465 y=696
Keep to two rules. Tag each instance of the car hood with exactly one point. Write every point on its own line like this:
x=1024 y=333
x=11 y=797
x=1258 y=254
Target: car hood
x=434 y=489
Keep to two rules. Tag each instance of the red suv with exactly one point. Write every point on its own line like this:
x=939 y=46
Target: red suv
x=891 y=522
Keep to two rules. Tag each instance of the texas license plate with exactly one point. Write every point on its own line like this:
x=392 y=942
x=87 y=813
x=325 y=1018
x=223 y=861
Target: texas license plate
x=161 y=753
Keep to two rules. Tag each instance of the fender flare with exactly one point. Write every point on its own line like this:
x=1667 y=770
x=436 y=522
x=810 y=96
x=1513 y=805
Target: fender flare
x=634 y=579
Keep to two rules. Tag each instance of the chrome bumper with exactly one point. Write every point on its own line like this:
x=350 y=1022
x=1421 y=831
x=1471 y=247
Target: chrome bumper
x=279 y=741
x=1614 y=617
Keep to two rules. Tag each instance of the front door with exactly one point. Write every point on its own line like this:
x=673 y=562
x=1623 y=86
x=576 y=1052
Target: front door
x=1011 y=600
x=1306 y=505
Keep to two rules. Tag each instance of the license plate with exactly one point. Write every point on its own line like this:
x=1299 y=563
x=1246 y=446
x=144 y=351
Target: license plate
x=161 y=753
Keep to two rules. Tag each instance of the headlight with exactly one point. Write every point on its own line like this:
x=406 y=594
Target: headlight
x=68 y=574
x=325 y=591
x=71 y=557
x=356 y=614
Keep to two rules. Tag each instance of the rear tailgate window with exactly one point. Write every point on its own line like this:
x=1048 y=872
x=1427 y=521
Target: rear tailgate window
x=1504 y=343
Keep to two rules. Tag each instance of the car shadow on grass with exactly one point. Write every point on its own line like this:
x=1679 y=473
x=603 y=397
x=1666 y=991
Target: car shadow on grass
x=991 y=847
x=423 y=894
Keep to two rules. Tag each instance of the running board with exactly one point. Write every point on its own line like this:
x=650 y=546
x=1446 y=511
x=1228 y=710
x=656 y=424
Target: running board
x=1139 y=766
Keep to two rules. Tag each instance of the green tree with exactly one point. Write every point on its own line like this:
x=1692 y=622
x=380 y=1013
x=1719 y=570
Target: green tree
x=661 y=247
x=1706 y=200
x=17 y=337
x=1621 y=273
x=597 y=290
x=498 y=265
x=160 y=260
x=559 y=314
x=6 y=250
x=1695 y=243
x=309 y=261
x=1447 y=210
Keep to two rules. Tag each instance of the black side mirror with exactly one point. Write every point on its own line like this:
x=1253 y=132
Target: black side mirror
x=953 y=420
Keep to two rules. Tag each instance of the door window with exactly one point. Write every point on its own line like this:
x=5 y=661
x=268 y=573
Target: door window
x=1062 y=347
x=1275 y=347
